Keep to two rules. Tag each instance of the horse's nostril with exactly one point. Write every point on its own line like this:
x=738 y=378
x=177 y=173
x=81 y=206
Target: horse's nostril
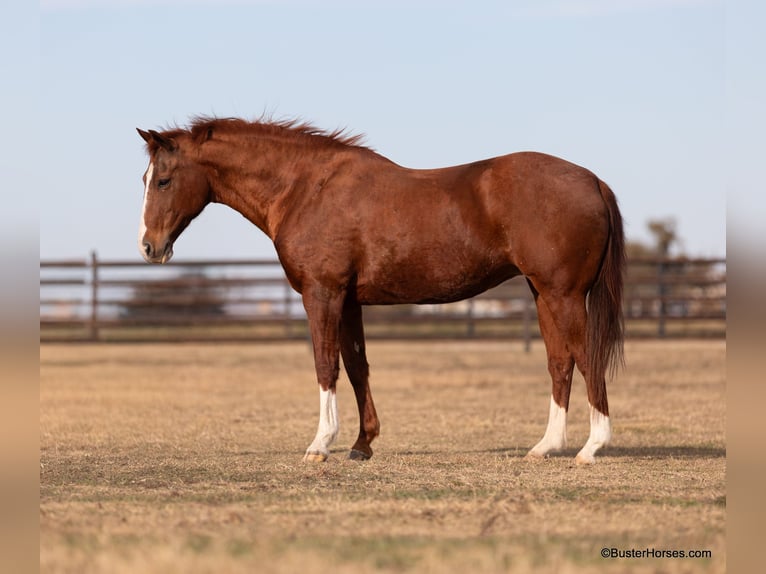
x=148 y=248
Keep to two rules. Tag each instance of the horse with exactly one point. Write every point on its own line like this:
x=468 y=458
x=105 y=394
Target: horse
x=353 y=228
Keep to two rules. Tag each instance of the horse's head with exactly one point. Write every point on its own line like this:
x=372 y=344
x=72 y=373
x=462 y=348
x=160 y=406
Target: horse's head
x=176 y=190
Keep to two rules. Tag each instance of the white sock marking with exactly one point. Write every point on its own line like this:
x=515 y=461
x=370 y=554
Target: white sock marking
x=555 y=437
x=329 y=425
x=600 y=435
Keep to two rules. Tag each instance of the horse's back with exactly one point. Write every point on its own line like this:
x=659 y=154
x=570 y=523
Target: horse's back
x=415 y=236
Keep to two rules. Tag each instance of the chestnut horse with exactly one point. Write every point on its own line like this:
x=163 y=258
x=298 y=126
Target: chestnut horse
x=352 y=228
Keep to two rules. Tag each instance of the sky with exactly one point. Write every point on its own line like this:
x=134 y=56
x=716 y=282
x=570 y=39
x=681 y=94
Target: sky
x=638 y=91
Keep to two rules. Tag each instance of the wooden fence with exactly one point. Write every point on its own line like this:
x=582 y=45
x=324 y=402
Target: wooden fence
x=238 y=300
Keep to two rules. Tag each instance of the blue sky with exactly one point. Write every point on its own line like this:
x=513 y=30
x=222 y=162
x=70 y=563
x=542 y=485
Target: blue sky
x=636 y=91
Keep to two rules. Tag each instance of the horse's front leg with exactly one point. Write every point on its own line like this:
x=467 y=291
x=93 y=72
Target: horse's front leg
x=324 y=308
x=352 y=349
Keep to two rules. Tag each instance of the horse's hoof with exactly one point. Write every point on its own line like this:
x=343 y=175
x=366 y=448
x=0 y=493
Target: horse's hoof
x=315 y=457
x=358 y=455
x=535 y=457
x=582 y=460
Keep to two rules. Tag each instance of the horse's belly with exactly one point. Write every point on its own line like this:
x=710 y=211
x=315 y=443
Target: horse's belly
x=420 y=283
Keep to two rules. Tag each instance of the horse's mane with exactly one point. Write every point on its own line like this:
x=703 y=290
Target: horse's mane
x=202 y=127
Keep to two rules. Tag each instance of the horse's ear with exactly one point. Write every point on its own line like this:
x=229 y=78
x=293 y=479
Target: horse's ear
x=201 y=134
x=156 y=140
x=147 y=137
x=165 y=143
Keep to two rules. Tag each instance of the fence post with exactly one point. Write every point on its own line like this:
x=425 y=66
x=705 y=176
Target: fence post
x=470 y=323
x=662 y=291
x=526 y=319
x=287 y=303
x=93 y=296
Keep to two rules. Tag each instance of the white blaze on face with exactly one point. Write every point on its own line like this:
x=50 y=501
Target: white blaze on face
x=142 y=227
x=555 y=437
x=328 y=424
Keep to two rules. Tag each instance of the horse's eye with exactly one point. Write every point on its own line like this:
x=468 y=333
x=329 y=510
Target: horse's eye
x=163 y=183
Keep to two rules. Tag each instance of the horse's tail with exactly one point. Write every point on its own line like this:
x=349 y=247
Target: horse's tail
x=605 y=325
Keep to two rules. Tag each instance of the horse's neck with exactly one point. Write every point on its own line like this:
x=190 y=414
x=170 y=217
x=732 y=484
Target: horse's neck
x=255 y=181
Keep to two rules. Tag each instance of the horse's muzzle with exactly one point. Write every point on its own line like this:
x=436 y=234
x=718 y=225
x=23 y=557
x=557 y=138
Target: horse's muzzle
x=153 y=255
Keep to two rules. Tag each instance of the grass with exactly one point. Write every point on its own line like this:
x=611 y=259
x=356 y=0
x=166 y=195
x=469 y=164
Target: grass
x=187 y=458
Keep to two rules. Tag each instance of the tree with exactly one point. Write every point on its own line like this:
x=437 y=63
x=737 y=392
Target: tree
x=665 y=237
x=664 y=231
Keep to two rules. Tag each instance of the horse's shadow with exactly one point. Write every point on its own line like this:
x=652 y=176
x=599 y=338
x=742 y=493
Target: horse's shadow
x=647 y=452
x=666 y=451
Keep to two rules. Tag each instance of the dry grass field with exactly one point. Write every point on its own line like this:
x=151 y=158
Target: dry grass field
x=187 y=458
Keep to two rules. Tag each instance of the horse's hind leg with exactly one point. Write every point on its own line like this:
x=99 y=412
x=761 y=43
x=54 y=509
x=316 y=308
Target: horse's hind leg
x=352 y=350
x=560 y=366
x=568 y=314
x=600 y=424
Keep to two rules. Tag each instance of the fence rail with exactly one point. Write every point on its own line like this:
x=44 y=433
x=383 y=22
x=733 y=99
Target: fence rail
x=238 y=300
